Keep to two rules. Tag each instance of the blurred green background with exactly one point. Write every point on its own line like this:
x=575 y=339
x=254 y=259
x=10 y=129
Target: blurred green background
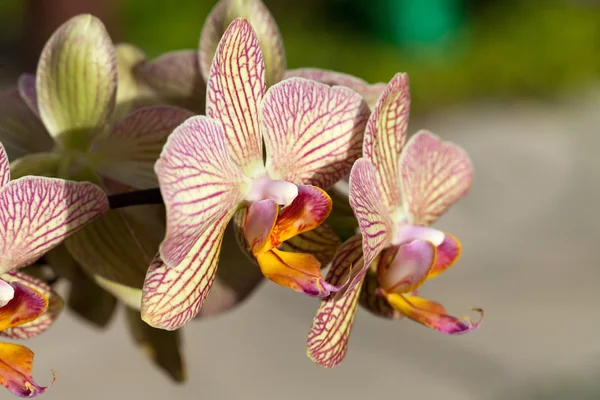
x=454 y=50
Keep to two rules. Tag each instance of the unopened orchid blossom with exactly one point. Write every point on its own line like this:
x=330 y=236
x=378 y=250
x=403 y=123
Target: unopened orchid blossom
x=36 y=214
x=213 y=167
x=72 y=129
x=396 y=192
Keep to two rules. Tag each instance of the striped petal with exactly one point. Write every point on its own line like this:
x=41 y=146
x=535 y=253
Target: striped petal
x=21 y=131
x=328 y=337
x=235 y=88
x=369 y=92
x=447 y=254
x=4 y=167
x=322 y=242
x=263 y=23
x=385 y=135
x=432 y=314
x=128 y=153
x=405 y=268
x=313 y=133
x=26 y=86
x=172 y=296
x=38 y=213
x=26 y=305
x=176 y=78
x=200 y=185
x=435 y=174
x=77 y=80
x=16 y=364
x=43 y=321
x=373 y=220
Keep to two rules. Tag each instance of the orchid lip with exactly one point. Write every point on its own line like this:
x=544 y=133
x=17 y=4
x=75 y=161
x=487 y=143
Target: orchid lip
x=265 y=188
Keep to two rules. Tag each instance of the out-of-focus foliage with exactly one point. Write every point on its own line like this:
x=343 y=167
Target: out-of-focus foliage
x=507 y=48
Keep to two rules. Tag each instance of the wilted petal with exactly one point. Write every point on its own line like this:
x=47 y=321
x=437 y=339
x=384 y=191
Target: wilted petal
x=308 y=210
x=176 y=77
x=77 y=79
x=405 y=268
x=435 y=174
x=260 y=221
x=263 y=23
x=297 y=271
x=45 y=320
x=313 y=133
x=160 y=346
x=328 y=337
x=385 y=135
x=369 y=92
x=26 y=305
x=235 y=89
x=374 y=221
x=26 y=85
x=21 y=131
x=128 y=153
x=432 y=314
x=174 y=295
x=322 y=242
x=200 y=185
x=38 y=164
x=16 y=364
x=447 y=254
x=38 y=213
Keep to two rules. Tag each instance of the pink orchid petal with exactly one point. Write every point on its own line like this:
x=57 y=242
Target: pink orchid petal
x=4 y=167
x=21 y=131
x=235 y=89
x=130 y=150
x=176 y=77
x=26 y=86
x=260 y=220
x=76 y=79
x=313 y=133
x=172 y=296
x=44 y=321
x=432 y=314
x=369 y=92
x=16 y=364
x=322 y=242
x=26 y=305
x=200 y=185
x=447 y=254
x=263 y=23
x=374 y=222
x=435 y=174
x=328 y=337
x=37 y=213
x=385 y=135
x=405 y=268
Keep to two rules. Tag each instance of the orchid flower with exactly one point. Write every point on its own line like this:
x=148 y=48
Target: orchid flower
x=36 y=214
x=396 y=192
x=70 y=130
x=213 y=166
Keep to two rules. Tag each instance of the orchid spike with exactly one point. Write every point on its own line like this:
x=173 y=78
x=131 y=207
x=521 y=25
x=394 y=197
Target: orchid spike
x=396 y=191
x=36 y=214
x=213 y=166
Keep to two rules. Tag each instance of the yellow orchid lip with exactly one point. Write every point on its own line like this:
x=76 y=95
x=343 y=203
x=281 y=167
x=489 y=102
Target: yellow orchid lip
x=266 y=228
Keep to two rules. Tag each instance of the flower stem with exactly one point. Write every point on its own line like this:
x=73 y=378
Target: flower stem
x=139 y=197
